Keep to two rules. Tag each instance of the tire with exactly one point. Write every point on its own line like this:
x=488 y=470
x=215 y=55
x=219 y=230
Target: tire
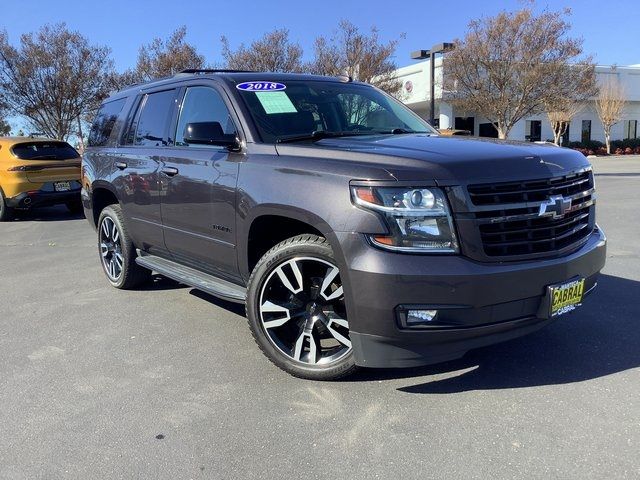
x=295 y=309
x=117 y=252
x=75 y=207
x=6 y=212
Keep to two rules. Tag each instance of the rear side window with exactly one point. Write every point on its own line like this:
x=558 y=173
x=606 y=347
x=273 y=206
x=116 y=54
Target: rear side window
x=44 y=151
x=104 y=122
x=151 y=122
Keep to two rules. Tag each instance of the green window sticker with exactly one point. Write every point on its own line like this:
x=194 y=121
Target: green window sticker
x=276 y=102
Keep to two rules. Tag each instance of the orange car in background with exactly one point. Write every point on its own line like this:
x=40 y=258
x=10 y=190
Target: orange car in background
x=37 y=172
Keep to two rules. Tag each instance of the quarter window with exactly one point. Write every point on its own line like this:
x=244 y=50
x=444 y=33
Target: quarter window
x=104 y=122
x=203 y=104
x=151 y=123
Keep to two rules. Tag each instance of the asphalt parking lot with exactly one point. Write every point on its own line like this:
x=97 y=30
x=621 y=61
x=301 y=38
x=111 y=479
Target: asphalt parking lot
x=167 y=382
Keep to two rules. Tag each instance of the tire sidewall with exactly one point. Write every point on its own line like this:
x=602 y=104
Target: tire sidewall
x=6 y=212
x=271 y=260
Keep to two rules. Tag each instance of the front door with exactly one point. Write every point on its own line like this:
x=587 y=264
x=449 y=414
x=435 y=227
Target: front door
x=198 y=189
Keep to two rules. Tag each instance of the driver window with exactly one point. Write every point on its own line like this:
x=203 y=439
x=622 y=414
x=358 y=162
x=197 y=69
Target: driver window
x=203 y=104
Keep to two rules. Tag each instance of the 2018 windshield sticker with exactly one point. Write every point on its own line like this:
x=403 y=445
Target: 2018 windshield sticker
x=261 y=86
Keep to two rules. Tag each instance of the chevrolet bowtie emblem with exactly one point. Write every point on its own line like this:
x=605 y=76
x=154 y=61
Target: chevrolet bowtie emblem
x=556 y=206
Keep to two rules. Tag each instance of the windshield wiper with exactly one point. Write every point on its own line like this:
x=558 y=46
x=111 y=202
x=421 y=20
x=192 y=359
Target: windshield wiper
x=319 y=135
x=400 y=131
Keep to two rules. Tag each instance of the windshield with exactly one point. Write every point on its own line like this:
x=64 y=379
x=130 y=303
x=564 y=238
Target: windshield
x=44 y=151
x=304 y=107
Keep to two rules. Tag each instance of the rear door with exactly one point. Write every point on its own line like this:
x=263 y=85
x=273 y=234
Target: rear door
x=198 y=185
x=137 y=168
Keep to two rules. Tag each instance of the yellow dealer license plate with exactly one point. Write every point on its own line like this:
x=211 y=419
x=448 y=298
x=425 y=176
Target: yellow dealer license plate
x=565 y=297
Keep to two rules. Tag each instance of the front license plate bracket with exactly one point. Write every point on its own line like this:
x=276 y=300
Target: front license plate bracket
x=565 y=297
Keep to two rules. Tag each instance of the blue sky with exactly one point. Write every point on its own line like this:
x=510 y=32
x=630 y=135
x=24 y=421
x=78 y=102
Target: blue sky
x=611 y=30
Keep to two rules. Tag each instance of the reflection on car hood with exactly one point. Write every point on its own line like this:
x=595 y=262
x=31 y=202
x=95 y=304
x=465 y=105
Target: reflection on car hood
x=468 y=159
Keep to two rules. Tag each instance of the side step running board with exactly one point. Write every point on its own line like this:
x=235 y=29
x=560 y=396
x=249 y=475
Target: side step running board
x=194 y=278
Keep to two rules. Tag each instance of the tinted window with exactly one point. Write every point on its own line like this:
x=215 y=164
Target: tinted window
x=104 y=122
x=307 y=106
x=151 y=124
x=44 y=151
x=203 y=104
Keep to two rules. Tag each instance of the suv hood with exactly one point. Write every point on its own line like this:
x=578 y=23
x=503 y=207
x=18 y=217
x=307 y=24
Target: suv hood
x=447 y=159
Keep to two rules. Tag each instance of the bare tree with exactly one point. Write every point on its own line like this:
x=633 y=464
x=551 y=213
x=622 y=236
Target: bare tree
x=162 y=58
x=510 y=66
x=117 y=81
x=53 y=78
x=560 y=114
x=274 y=52
x=5 y=128
x=610 y=104
x=361 y=56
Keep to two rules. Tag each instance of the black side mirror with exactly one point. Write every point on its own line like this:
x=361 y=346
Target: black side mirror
x=210 y=133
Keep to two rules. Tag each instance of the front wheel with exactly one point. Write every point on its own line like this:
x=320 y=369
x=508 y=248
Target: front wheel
x=117 y=253
x=296 y=310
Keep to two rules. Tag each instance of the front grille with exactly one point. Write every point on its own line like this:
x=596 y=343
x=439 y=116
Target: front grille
x=531 y=190
x=509 y=224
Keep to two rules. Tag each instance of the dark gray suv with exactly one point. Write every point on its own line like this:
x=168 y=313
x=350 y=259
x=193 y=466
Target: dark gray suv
x=352 y=231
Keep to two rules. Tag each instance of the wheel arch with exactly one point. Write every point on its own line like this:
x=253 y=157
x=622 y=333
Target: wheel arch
x=289 y=221
x=103 y=194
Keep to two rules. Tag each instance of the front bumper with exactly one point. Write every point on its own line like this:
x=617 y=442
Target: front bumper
x=480 y=303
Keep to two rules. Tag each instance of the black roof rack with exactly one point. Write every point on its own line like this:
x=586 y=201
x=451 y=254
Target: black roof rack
x=213 y=70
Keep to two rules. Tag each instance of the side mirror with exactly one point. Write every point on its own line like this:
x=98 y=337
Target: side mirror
x=210 y=133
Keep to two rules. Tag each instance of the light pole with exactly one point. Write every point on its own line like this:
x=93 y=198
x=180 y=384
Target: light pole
x=431 y=54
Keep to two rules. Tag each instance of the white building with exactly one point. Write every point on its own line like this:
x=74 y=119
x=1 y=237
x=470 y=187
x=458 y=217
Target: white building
x=584 y=126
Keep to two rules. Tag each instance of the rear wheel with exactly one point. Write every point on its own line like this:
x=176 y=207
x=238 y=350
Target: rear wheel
x=117 y=253
x=296 y=310
x=6 y=212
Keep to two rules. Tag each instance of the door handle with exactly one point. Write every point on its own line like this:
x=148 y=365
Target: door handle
x=121 y=165
x=169 y=171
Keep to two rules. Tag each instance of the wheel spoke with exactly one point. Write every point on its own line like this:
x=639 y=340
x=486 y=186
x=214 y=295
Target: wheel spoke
x=314 y=348
x=285 y=280
x=328 y=280
x=336 y=334
x=119 y=260
x=112 y=268
x=269 y=307
x=105 y=229
x=115 y=233
x=104 y=249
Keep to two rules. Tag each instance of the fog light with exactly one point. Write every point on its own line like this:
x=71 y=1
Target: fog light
x=420 y=317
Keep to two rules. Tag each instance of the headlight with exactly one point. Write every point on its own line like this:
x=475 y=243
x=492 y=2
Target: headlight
x=419 y=219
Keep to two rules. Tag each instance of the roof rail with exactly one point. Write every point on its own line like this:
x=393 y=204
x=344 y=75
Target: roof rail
x=213 y=70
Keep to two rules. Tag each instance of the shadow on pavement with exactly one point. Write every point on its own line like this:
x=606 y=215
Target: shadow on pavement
x=599 y=339
x=159 y=282
x=47 y=214
x=236 y=308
